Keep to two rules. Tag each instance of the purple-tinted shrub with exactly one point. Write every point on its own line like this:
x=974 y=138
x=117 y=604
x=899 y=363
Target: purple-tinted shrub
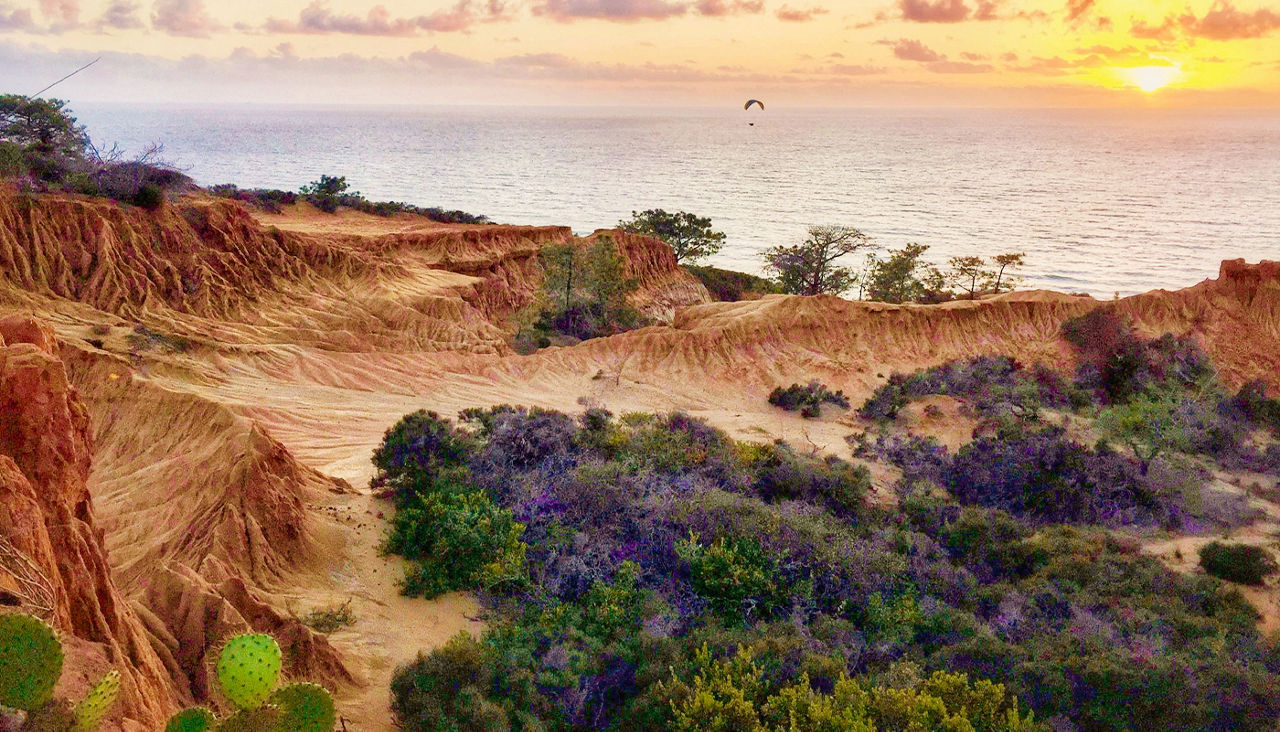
x=921 y=459
x=1254 y=406
x=1118 y=364
x=993 y=385
x=1046 y=477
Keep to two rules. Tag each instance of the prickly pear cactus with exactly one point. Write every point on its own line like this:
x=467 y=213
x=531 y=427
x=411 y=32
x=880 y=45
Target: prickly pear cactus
x=304 y=708
x=248 y=669
x=30 y=661
x=93 y=708
x=195 y=719
x=262 y=719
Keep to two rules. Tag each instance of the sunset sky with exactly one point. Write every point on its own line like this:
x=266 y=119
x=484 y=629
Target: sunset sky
x=697 y=52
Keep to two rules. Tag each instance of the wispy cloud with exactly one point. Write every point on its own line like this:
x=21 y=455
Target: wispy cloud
x=909 y=49
x=15 y=18
x=61 y=12
x=800 y=15
x=946 y=11
x=716 y=8
x=1223 y=21
x=912 y=50
x=1078 y=9
x=121 y=15
x=184 y=18
x=318 y=18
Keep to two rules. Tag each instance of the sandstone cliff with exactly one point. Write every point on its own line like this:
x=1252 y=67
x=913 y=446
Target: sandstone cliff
x=52 y=560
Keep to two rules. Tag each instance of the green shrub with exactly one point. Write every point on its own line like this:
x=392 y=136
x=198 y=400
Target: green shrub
x=149 y=196
x=13 y=163
x=808 y=399
x=1243 y=563
x=448 y=690
x=735 y=694
x=729 y=286
x=457 y=542
x=735 y=576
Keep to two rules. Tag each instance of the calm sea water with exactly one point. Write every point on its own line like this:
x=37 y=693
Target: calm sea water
x=1101 y=201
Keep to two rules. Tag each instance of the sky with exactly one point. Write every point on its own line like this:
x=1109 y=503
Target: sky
x=822 y=53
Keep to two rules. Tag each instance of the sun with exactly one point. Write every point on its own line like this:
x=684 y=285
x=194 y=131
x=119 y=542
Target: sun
x=1151 y=78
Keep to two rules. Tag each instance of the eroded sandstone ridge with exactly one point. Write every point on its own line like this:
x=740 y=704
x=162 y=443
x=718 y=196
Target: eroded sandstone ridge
x=52 y=559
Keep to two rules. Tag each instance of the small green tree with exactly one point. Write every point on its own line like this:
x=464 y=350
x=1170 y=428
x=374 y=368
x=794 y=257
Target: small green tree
x=327 y=192
x=690 y=237
x=966 y=273
x=1149 y=424
x=605 y=280
x=1004 y=262
x=52 y=142
x=895 y=279
x=560 y=263
x=810 y=268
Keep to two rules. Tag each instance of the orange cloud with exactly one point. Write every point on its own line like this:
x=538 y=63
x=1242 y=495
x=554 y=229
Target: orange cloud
x=1222 y=22
x=946 y=11
x=911 y=50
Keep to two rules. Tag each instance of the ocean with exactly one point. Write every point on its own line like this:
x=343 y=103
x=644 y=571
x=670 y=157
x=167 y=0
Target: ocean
x=1102 y=202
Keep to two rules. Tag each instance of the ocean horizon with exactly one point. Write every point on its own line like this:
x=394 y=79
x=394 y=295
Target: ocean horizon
x=1101 y=201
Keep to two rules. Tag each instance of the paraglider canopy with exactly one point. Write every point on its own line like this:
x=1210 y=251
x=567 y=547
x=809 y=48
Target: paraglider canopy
x=751 y=102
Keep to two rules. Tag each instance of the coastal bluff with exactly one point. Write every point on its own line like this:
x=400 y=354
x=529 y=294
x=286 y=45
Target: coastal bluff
x=191 y=397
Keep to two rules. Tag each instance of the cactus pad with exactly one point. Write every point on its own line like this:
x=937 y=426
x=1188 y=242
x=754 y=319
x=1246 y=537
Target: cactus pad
x=89 y=713
x=248 y=669
x=262 y=719
x=30 y=661
x=304 y=708
x=195 y=719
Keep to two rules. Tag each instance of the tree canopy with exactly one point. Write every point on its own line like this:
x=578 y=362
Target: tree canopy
x=810 y=267
x=690 y=237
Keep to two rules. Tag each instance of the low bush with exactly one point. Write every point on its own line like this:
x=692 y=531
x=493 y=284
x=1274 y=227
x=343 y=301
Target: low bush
x=330 y=619
x=729 y=286
x=735 y=576
x=457 y=542
x=1243 y=563
x=808 y=399
x=1117 y=364
x=1048 y=478
x=422 y=445
x=149 y=196
x=1254 y=406
x=450 y=690
x=329 y=196
x=994 y=385
x=836 y=485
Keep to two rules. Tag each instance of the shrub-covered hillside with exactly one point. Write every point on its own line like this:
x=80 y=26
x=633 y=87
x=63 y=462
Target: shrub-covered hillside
x=646 y=572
